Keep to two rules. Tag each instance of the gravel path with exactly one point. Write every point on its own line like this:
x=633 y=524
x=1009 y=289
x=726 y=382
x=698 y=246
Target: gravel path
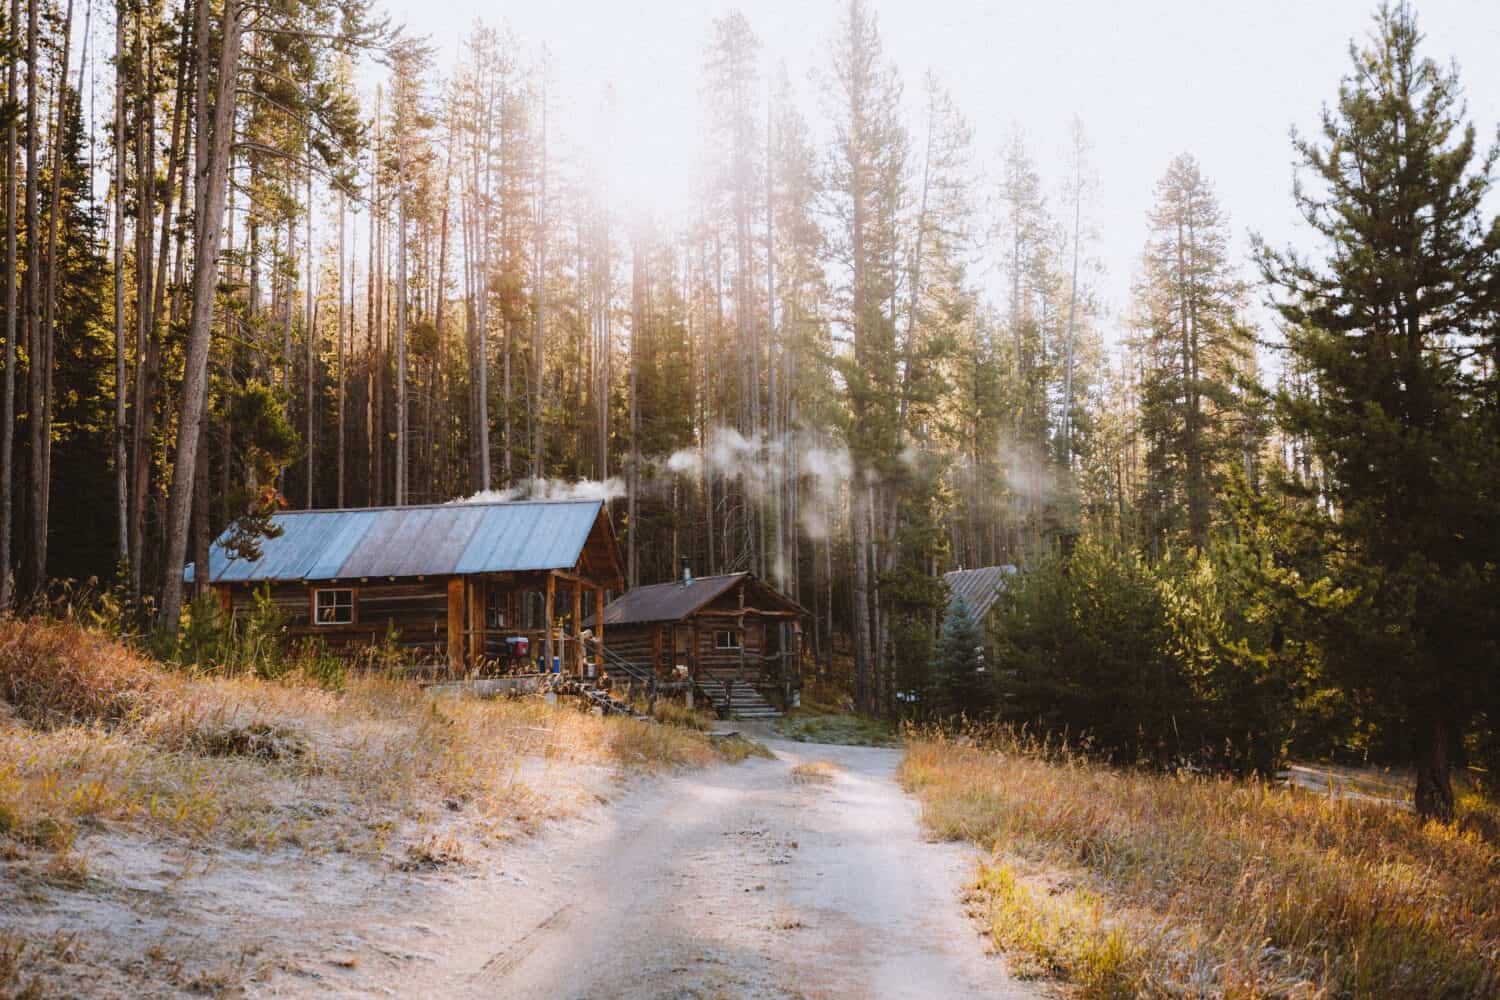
x=739 y=881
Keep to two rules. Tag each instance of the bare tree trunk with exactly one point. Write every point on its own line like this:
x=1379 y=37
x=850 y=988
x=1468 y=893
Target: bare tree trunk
x=773 y=459
x=864 y=677
x=1434 y=792
x=288 y=298
x=200 y=516
x=310 y=333
x=213 y=149
x=481 y=223
x=8 y=419
x=342 y=386
x=636 y=325
x=441 y=293
x=122 y=471
x=400 y=324
x=49 y=317
x=537 y=468
x=33 y=298
x=370 y=444
x=1067 y=414
x=147 y=341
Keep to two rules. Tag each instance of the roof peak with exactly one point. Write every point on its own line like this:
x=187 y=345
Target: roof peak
x=448 y=505
x=696 y=580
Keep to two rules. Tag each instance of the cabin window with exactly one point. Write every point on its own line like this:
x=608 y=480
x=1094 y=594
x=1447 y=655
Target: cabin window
x=334 y=606
x=726 y=638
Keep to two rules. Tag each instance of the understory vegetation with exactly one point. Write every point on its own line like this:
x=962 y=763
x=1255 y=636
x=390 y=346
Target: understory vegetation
x=1132 y=882
x=850 y=730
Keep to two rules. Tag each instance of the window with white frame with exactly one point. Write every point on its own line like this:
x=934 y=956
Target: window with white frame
x=726 y=638
x=333 y=606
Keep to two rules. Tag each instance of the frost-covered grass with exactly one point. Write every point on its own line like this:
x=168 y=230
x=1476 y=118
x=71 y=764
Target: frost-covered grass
x=1128 y=882
x=91 y=730
x=98 y=743
x=850 y=730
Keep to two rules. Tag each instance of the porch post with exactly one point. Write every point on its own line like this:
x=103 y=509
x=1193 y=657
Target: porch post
x=547 y=644
x=476 y=602
x=578 y=654
x=455 y=624
x=599 y=624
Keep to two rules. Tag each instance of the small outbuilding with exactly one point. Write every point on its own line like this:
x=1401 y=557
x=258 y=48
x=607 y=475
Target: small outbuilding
x=718 y=634
x=978 y=588
x=501 y=586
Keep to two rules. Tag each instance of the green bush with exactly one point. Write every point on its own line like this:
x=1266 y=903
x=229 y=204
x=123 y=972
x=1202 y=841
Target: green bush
x=1145 y=663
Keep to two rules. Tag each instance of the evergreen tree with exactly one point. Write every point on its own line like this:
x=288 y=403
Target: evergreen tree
x=1390 y=326
x=963 y=683
x=1196 y=357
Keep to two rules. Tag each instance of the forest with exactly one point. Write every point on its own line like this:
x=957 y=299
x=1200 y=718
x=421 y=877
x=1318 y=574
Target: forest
x=267 y=256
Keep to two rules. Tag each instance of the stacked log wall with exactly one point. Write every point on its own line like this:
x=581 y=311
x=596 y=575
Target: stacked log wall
x=416 y=611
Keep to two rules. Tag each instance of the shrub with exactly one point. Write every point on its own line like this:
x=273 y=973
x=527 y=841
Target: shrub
x=675 y=713
x=57 y=674
x=1150 y=663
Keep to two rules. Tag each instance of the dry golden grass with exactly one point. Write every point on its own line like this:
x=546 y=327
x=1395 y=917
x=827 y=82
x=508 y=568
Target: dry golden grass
x=1129 y=883
x=92 y=733
x=817 y=772
x=675 y=713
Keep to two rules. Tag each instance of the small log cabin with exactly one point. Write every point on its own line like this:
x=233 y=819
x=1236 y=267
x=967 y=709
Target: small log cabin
x=732 y=627
x=501 y=587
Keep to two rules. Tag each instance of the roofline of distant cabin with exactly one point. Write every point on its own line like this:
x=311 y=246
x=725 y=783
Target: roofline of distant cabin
x=434 y=506
x=696 y=580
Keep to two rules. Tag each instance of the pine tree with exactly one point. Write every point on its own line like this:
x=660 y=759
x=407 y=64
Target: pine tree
x=1195 y=354
x=963 y=684
x=866 y=182
x=1389 y=326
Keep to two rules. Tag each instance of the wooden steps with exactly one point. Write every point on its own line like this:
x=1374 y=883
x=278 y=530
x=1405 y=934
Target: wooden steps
x=735 y=699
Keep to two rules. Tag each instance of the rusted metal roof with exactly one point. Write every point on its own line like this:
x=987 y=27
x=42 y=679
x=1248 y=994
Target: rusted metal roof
x=666 y=602
x=435 y=540
x=978 y=587
x=671 y=602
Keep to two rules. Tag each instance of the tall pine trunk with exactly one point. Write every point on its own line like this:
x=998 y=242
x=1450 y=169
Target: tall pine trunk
x=49 y=316
x=8 y=418
x=34 y=373
x=537 y=469
x=213 y=143
x=401 y=443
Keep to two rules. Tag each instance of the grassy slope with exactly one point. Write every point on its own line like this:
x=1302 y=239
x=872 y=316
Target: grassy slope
x=1127 y=883
x=94 y=737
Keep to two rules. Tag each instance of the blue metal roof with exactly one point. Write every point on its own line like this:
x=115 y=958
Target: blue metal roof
x=439 y=540
x=978 y=587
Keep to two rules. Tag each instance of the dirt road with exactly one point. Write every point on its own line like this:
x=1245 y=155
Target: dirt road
x=740 y=881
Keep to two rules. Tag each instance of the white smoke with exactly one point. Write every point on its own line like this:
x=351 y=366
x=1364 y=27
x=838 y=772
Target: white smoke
x=822 y=469
x=552 y=489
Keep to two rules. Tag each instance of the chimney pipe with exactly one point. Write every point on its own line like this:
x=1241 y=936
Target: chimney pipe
x=687 y=573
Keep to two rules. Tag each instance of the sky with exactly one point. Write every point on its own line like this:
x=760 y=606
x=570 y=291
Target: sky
x=1149 y=79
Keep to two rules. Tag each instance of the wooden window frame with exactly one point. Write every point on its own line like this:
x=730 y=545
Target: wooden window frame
x=353 y=606
x=735 y=634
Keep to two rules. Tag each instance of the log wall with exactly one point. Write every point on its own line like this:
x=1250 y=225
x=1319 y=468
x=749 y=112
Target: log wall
x=416 y=611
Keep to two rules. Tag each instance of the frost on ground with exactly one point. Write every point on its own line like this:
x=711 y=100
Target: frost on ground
x=163 y=834
x=159 y=915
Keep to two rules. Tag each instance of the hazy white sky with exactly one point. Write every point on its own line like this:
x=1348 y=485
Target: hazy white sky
x=1150 y=79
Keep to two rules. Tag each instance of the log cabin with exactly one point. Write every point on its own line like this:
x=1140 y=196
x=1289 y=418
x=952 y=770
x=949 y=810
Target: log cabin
x=464 y=587
x=718 y=634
